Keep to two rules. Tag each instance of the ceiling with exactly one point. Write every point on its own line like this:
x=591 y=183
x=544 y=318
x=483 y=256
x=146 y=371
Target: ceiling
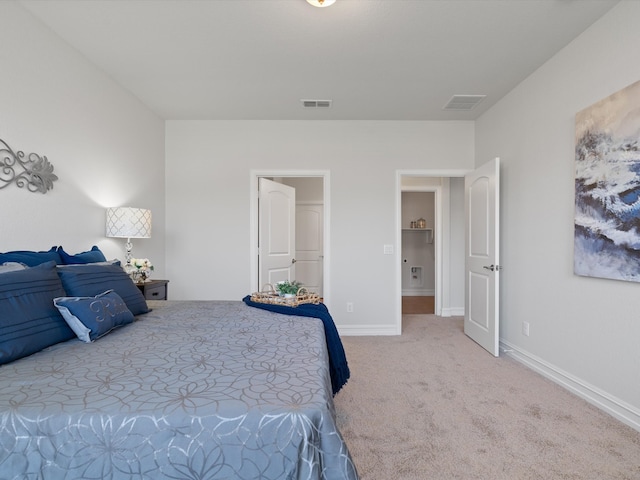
x=374 y=59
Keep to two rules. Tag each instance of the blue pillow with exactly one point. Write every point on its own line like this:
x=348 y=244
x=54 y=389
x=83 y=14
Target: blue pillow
x=92 y=256
x=29 y=321
x=92 y=317
x=91 y=279
x=29 y=258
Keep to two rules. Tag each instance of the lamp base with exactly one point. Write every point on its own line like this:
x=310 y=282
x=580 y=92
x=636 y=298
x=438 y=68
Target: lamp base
x=128 y=267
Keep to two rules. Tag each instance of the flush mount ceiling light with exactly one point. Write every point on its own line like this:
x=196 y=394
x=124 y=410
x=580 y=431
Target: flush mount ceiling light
x=321 y=3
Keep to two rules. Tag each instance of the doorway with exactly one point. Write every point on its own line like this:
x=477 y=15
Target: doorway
x=309 y=239
x=461 y=196
x=447 y=188
x=418 y=253
x=312 y=216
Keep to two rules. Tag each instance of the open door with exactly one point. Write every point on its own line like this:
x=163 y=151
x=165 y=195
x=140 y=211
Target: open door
x=482 y=265
x=309 y=246
x=277 y=228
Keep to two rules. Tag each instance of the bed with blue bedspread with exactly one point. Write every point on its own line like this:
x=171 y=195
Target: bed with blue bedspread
x=185 y=390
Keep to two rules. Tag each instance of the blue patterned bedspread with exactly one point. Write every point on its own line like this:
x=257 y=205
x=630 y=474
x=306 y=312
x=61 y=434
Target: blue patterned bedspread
x=192 y=390
x=338 y=366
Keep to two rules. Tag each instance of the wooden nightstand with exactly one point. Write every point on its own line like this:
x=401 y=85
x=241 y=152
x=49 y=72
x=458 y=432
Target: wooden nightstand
x=154 y=289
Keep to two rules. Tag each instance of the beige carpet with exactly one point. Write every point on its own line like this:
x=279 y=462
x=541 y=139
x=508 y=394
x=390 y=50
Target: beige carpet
x=431 y=404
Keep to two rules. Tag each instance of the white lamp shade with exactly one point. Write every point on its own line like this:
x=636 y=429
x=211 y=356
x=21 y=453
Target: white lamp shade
x=128 y=222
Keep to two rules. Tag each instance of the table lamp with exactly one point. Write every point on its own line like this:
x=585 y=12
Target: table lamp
x=128 y=222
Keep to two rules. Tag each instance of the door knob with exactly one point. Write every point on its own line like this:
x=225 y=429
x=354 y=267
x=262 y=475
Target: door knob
x=493 y=268
x=293 y=260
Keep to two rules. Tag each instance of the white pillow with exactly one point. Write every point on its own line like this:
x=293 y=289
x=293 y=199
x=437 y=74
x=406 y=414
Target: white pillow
x=11 y=267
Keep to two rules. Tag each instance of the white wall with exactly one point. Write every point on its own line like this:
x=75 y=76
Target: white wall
x=584 y=332
x=106 y=147
x=208 y=200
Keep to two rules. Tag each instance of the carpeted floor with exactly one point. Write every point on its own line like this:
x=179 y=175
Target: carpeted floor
x=431 y=404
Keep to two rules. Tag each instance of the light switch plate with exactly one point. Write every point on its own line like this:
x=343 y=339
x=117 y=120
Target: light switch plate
x=388 y=249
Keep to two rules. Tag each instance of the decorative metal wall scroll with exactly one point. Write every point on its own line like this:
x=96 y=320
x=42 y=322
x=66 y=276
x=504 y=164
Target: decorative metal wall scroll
x=35 y=172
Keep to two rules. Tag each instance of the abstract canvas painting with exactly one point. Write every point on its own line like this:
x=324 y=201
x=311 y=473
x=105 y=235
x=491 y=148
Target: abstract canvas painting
x=607 y=188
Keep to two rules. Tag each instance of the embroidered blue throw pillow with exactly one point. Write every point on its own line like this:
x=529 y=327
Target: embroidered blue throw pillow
x=29 y=321
x=93 y=279
x=92 y=317
x=91 y=256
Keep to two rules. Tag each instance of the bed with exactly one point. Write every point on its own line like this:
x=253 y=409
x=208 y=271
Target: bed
x=187 y=390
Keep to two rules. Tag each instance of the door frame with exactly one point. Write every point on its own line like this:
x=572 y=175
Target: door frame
x=441 y=217
x=253 y=223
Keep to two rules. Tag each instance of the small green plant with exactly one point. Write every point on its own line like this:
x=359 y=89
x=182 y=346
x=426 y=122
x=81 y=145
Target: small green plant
x=287 y=287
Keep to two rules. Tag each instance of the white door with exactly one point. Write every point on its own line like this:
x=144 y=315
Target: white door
x=277 y=230
x=482 y=270
x=309 y=246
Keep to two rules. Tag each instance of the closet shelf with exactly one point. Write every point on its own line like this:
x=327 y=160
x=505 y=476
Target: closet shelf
x=427 y=231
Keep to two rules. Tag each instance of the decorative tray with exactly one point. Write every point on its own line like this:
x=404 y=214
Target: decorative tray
x=271 y=296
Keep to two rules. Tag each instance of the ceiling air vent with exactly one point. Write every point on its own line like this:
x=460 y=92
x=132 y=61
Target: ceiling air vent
x=463 y=102
x=316 y=103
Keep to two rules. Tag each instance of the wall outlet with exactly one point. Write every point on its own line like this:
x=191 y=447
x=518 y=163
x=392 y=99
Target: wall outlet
x=349 y=307
x=525 y=329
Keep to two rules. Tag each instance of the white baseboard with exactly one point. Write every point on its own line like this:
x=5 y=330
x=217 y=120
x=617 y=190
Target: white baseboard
x=452 y=312
x=360 y=330
x=418 y=293
x=604 y=401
